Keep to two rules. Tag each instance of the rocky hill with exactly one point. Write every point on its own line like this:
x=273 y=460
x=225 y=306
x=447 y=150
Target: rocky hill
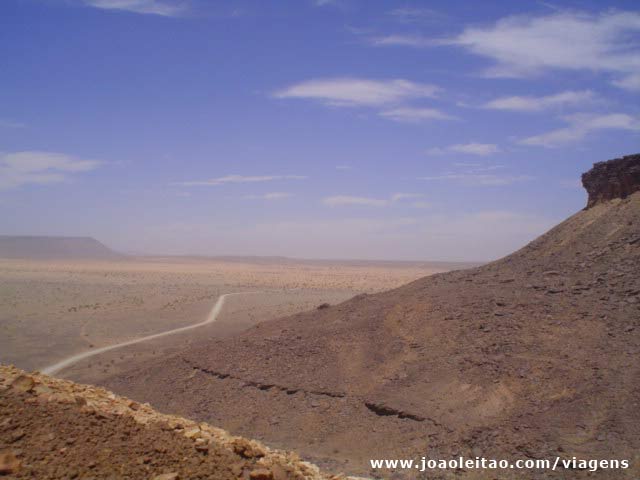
x=55 y=429
x=531 y=356
x=29 y=247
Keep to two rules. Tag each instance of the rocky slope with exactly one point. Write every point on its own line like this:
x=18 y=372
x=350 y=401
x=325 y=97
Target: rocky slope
x=55 y=429
x=531 y=356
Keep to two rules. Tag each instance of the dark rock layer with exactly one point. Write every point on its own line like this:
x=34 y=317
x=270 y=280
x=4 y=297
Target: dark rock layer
x=616 y=178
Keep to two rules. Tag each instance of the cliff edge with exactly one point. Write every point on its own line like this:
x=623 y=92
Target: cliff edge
x=617 y=178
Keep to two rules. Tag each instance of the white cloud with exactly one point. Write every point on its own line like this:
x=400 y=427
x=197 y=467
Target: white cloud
x=355 y=92
x=401 y=40
x=481 y=149
x=524 y=45
x=405 y=196
x=166 y=8
x=343 y=167
x=580 y=125
x=34 y=167
x=342 y=200
x=414 y=114
x=212 y=182
x=535 y=104
x=399 y=197
x=269 y=196
x=629 y=82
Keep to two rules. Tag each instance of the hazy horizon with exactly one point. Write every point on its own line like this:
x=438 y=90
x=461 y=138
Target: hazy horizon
x=328 y=129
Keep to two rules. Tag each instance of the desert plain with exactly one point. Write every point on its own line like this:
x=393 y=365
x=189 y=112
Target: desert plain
x=53 y=309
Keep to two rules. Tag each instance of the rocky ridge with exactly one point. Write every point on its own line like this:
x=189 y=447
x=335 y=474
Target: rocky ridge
x=51 y=428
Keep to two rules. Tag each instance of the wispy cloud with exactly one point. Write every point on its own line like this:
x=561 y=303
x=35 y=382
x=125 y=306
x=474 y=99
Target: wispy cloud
x=524 y=45
x=413 y=199
x=396 y=197
x=414 y=114
x=269 y=196
x=342 y=200
x=581 y=124
x=481 y=149
x=403 y=40
x=629 y=82
x=536 y=104
x=165 y=8
x=213 y=182
x=343 y=167
x=358 y=92
x=473 y=174
x=34 y=167
x=346 y=200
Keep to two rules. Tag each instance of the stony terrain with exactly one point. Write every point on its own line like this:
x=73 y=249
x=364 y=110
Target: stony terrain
x=531 y=356
x=55 y=429
x=51 y=309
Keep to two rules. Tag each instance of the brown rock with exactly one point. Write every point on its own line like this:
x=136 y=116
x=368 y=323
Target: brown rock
x=261 y=474
x=247 y=448
x=279 y=473
x=166 y=476
x=16 y=435
x=23 y=383
x=237 y=469
x=192 y=432
x=9 y=463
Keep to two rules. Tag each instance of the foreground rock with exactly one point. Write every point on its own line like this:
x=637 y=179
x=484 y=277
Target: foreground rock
x=52 y=429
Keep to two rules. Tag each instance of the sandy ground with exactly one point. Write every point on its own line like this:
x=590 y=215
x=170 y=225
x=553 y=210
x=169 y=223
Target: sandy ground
x=50 y=310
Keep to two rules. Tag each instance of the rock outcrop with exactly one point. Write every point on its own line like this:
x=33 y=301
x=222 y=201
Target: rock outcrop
x=52 y=428
x=617 y=178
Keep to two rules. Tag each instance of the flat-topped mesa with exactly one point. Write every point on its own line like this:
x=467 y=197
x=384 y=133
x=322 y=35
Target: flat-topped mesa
x=617 y=178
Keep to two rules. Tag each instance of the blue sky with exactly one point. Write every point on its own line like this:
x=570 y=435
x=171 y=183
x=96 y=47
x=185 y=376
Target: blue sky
x=310 y=128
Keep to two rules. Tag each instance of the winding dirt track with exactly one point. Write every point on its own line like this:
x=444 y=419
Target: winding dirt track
x=212 y=317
